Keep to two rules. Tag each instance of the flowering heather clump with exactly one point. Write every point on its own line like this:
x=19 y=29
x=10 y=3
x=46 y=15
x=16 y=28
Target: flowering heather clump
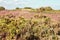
x=36 y=28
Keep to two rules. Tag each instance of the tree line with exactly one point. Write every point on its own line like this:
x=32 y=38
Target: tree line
x=40 y=9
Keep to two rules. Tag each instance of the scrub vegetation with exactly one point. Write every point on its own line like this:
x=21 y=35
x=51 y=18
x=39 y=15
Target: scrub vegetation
x=38 y=27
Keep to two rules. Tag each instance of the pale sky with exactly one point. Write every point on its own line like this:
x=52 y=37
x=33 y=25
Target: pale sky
x=11 y=4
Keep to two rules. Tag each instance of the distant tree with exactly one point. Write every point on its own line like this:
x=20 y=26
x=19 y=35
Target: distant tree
x=45 y=9
x=48 y=9
x=27 y=8
x=2 y=8
x=17 y=8
x=42 y=9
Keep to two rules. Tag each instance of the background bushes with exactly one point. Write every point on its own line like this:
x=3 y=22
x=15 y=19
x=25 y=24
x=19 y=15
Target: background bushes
x=2 y=8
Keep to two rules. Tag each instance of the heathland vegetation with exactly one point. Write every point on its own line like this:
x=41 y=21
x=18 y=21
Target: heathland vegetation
x=39 y=27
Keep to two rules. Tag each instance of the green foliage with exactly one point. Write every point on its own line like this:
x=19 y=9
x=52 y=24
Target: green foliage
x=42 y=9
x=2 y=8
x=48 y=8
x=37 y=28
x=27 y=8
x=17 y=8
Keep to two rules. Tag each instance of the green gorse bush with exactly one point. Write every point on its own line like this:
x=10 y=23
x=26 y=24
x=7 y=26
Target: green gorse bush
x=36 y=28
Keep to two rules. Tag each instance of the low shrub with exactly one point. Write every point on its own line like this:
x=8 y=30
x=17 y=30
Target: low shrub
x=36 y=28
